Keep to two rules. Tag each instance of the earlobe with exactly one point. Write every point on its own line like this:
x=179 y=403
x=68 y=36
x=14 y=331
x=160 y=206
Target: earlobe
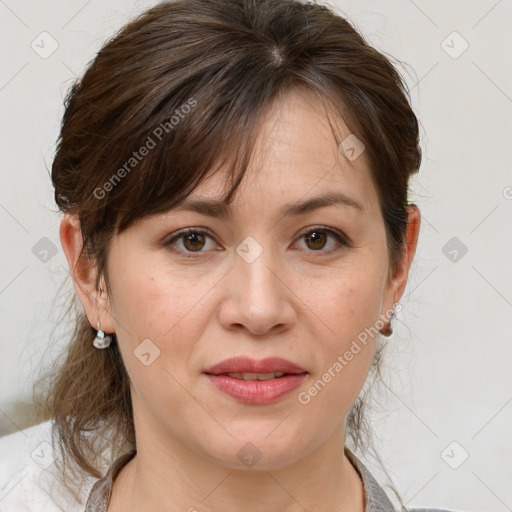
x=83 y=273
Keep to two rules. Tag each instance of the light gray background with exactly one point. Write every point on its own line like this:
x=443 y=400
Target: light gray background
x=450 y=358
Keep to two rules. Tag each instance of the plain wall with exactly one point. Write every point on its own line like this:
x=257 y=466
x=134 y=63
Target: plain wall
x=450 y=358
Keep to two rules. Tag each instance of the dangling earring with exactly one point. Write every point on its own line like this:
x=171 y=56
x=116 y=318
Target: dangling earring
x=388 y=330
x=102 y=340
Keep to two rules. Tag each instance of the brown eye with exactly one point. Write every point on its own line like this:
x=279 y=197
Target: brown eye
x=188 y=241
x=316 y=239
x=193 y=241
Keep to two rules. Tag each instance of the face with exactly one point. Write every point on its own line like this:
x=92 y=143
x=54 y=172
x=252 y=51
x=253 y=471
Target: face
x=261 y=281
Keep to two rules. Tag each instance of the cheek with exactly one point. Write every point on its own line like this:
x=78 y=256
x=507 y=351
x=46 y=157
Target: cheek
x=348 y=311
x=348 y=305
x=154 y=304
x=168 y=310
x=157 y=321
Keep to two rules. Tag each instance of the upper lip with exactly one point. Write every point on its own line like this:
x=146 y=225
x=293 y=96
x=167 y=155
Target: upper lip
x=246 y=364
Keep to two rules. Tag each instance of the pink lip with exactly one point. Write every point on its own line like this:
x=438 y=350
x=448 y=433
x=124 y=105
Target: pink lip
x=256 y=391
x=246 y=364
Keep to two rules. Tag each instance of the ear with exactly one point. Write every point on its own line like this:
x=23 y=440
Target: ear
x=84 y=272
x=397 y=283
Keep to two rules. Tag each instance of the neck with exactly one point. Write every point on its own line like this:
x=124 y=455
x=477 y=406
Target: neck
x=171 y=477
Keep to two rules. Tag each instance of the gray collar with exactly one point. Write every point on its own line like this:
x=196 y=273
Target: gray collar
x=375 y=498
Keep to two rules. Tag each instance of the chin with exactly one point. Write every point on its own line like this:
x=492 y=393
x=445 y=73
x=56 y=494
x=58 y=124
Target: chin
x=256 y=451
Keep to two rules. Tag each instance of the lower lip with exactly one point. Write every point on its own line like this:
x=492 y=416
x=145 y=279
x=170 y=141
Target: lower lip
x=257 y=391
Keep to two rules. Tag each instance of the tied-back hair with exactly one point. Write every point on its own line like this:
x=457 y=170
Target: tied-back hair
x=191 y=80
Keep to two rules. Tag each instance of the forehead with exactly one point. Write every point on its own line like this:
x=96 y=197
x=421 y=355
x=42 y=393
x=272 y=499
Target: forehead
x=298 y=156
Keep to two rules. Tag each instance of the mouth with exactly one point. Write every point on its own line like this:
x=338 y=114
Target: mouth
x=251 y=381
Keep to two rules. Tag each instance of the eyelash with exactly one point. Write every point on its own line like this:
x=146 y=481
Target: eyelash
x=315 y=229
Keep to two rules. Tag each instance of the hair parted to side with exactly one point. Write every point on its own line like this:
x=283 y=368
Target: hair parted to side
x=196 y=78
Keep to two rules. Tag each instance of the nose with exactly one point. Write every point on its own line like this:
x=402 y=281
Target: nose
x=258 y=297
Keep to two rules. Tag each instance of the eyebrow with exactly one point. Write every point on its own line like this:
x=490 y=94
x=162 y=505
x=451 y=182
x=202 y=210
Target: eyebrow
x=216 y=208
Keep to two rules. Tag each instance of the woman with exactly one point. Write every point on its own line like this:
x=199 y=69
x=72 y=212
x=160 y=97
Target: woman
x=233 y=177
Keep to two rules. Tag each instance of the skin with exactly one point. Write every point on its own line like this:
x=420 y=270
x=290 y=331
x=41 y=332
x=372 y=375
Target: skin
x=303 y=301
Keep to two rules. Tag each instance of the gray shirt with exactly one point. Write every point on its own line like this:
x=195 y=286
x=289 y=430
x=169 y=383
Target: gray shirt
x=375 y=498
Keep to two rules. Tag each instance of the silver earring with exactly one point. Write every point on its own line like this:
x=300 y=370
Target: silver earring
x=102 y=340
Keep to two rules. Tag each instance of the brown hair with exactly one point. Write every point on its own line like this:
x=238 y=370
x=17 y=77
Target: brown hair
x=195 y=77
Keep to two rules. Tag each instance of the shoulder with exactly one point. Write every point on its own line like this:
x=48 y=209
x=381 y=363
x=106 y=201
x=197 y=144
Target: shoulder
x=29 y=474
